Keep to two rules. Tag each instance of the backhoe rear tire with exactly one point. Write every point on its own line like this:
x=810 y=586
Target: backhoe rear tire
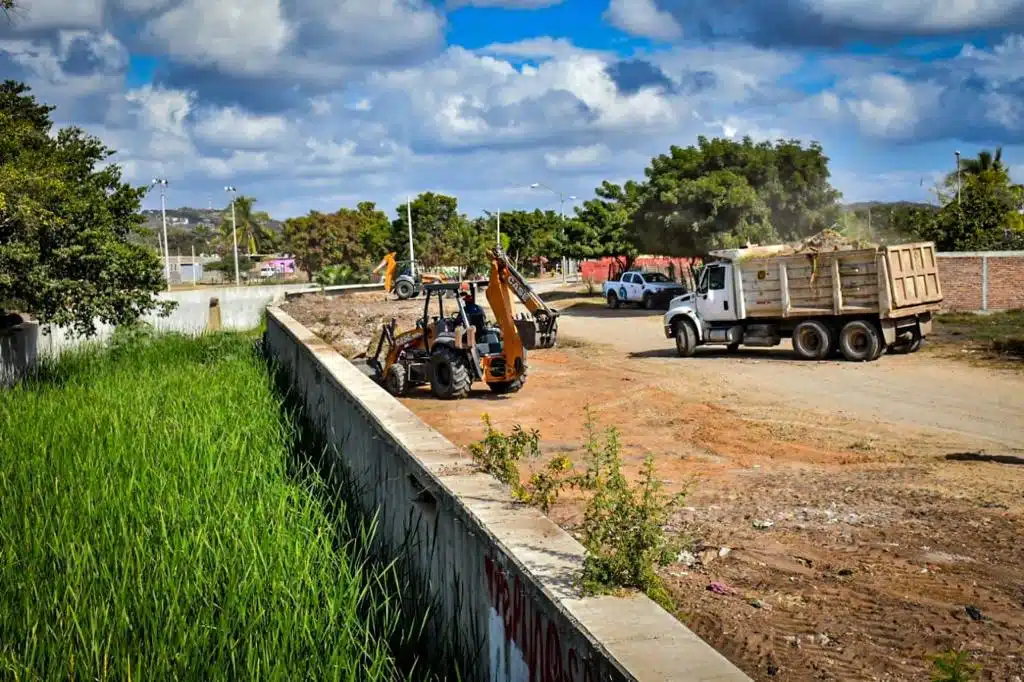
x=503 y=387
x=686 y=338
x=404 y=290
x=450 y=378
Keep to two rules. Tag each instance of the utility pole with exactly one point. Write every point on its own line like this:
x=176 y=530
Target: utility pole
x=412 y=253
x=957 y=177
x=234 y=232
x=193 y=265
x=163 y=216
x=561 y=219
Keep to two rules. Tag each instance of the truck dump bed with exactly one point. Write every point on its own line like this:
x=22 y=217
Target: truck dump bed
x=890 y=281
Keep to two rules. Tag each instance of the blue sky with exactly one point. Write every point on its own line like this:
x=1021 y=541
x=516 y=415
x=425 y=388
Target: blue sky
x=318 y=104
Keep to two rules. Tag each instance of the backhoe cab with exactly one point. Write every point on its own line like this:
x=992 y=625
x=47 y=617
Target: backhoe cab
x=452 y=350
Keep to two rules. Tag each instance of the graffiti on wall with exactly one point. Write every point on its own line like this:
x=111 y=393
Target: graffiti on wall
x=525 y=645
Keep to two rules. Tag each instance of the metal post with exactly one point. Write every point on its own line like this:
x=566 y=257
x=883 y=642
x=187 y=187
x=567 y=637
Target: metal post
x=957 y=177
x=499 y=227
x=561 y=222
x=163 y=216
x=412 y=252
x=234 y=233
x=193 y=265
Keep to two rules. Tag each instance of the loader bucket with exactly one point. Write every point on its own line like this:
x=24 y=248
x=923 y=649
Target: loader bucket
x=532 y=336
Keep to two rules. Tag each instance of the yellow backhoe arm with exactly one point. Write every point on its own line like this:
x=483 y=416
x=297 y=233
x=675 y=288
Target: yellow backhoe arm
x=546 y=317
x=501 y=306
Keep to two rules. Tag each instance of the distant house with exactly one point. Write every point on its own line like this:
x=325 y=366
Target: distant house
x=284 y=266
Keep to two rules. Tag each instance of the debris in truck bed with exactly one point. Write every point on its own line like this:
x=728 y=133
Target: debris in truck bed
x=827 y=240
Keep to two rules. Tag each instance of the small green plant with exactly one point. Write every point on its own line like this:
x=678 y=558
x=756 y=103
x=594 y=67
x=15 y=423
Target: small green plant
x=499 y=454
x=624 y=525
x=954 y=666
x=591 y=285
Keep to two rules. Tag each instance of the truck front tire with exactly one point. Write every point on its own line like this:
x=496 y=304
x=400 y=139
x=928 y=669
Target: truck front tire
x=686 y=338
x=860 y=341
x=812 y=340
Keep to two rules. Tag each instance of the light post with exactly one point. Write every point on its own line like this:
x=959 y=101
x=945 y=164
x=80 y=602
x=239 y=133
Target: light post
x=234 y=232
x=957 y=177
x=498 y=216
x=163 y=216
x=561 y=218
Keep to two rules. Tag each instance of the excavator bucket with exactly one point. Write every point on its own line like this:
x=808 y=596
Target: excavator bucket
x=535 y=334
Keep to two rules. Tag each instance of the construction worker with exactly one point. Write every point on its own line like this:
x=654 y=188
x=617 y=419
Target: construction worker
x=474 y=313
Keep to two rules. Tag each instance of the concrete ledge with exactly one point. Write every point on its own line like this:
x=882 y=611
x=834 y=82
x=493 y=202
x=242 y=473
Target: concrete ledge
x=499 y=573
x=336 y=290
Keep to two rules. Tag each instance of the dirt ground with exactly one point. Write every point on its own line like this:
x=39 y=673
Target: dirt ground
x=894 y=489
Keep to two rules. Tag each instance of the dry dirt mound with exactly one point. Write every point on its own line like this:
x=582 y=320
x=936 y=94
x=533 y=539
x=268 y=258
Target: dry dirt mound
x=352 y=323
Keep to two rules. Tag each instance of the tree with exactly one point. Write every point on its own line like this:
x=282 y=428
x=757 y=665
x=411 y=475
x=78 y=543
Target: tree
x=723 y=193
x=605 y=226
x=66 y=226
x=349 y=238
x=528 y=234
x=375 y=230
x=435 y=221
x=985 y=218
x=251 y=228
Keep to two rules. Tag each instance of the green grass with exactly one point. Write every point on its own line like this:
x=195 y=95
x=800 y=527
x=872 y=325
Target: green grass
x=149 y=529
x=995 y=333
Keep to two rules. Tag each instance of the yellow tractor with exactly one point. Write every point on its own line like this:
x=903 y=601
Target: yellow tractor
x=449 y=351
x=409 y=282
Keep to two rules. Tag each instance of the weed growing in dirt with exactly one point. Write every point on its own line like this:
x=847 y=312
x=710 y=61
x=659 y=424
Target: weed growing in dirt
x=624 y=525
x=623 y=530
x=591 y=286
x=954 y=666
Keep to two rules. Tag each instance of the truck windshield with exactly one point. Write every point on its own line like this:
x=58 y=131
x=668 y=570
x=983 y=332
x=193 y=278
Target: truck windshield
x=655 y=277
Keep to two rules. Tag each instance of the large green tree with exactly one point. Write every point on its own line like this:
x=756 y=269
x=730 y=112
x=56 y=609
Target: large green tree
x=354 y=238
x=436 y=224
x=721 y=193
x=66 y=222
x=986 y=217
x=252 y=229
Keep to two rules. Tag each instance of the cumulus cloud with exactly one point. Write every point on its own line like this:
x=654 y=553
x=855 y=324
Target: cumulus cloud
x=813 y=22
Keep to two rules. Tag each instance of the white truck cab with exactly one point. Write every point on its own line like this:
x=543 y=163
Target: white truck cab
x=858 y=301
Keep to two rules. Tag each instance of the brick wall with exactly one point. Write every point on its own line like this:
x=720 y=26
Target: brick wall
x=982 y=280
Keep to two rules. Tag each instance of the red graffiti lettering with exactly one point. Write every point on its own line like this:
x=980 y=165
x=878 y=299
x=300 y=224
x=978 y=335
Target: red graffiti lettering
x=536 y=637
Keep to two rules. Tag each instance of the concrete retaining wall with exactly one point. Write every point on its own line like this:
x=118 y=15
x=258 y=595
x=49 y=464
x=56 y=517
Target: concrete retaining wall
x=499 y=573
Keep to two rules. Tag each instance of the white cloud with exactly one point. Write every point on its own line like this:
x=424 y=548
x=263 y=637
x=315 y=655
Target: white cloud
x=231 y=127
x=577 y=157
x=643 y=18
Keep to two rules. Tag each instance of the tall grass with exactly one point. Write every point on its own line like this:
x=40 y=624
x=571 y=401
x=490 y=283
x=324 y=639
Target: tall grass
x=149 y=528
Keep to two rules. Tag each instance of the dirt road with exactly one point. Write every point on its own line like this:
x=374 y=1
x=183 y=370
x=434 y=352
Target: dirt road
x=846 y=507
x=977 y=407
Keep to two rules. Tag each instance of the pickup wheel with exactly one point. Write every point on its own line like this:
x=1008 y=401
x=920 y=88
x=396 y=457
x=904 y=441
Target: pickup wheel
x=812 y=340
x=860 y=341
x=686 y=338
x=613 y=300
x=648 y=302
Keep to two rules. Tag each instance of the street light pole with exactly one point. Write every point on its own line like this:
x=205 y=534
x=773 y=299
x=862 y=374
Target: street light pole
x=957 y=177
x=163 y=217
x=234 y=232
x=561 y=218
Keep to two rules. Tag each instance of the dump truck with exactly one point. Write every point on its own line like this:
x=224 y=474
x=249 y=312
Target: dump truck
x=827 y=296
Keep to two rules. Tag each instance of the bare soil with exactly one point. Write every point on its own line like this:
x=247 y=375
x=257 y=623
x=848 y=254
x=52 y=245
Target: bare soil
x=894 y=489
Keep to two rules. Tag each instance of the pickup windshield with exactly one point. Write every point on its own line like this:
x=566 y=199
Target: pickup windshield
x=655 y=277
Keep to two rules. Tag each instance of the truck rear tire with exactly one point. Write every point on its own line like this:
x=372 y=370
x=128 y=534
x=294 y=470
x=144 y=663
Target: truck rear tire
x=686 y=338
x=613 y=300
x=648 y=302
x=812 y=340
x=860 y=341
x=449 y=374
x=911 y=346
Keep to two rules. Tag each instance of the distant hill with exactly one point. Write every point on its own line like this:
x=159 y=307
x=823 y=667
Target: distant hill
x=188 y=218
x=887 y=205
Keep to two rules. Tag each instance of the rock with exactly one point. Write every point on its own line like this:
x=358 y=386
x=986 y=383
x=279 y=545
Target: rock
x=756 y=603
x=686 y=558
x=724 y=552
x=763 y=524
x=974 y=613
x=708 y=555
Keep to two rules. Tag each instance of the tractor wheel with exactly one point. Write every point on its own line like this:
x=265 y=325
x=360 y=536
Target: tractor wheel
x=404 y=289
x=812 y=340
x=613 y=300
x=686 y=338
x=395 y=381
x=860 y=341
x=503 y=387
x=449 y=374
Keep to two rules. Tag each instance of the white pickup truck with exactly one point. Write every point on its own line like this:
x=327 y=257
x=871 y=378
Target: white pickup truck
x=859 y=301
x=648 y=289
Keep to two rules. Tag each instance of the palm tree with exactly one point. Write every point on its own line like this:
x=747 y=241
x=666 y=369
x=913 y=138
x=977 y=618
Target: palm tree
x=252 y=228
x=985 y=161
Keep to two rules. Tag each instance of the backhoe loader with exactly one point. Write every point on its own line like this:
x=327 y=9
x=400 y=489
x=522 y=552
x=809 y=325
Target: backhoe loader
x=452 y=351
x=410 y=282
